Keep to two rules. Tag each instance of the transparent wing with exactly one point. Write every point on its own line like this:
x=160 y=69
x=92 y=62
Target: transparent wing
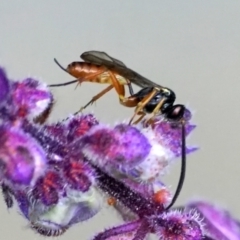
x=102 y=58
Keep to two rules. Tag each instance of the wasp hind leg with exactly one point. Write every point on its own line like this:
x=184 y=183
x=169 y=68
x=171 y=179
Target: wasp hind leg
x=114 y=84
x=96 y=97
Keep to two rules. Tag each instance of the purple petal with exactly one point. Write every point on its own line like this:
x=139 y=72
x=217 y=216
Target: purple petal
x=122 y=147
x=74 y=127
x=218 y=222
x=31 y=97
x=78 y=175
x=48 y=187
x=170 y=136
x=22 y=158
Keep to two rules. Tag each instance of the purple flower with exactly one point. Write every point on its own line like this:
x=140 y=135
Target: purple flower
x=78 y=151
x=59 y=174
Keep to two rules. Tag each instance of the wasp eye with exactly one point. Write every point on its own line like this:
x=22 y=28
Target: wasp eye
x=176 y=112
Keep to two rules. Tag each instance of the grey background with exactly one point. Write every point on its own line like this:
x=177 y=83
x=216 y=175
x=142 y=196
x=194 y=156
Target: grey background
x=192 y=47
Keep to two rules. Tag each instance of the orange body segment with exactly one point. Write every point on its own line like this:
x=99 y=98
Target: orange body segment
x=83 y=70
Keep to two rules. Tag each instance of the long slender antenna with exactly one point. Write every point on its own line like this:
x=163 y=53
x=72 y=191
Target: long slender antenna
x=183 y=169
x=63 y=84
x=65 y=70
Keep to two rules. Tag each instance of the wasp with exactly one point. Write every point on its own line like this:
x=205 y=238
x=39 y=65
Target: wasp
x=99 y=67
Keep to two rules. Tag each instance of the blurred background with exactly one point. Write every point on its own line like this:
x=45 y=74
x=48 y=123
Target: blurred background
x=192 y=47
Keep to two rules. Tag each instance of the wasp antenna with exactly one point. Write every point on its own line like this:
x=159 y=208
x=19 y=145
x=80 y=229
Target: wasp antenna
x=183 y=169
x=63 y=84
x=64 y=69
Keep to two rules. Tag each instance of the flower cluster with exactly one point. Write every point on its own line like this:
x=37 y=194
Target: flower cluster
x=59 y=174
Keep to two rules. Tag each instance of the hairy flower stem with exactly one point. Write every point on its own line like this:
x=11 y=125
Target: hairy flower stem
x=122 y=229
x=137 y=203
x=48 y=143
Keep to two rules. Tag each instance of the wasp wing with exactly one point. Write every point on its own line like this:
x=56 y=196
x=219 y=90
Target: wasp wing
x=102 y=58
x=138 y=79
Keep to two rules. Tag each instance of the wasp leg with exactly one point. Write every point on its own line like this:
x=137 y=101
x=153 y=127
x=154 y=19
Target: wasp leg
x=96 y=97
x=118 y=87
x=114 y=84
x=99 y=95
x=143 y=103
x=156 y=110
x=142 y=115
